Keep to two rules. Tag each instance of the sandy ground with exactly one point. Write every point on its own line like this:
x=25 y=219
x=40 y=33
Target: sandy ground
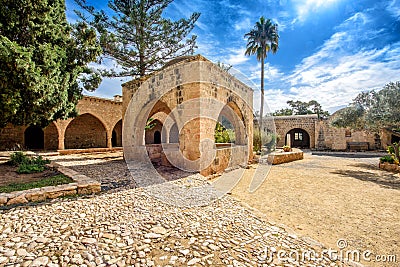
x=331 y=199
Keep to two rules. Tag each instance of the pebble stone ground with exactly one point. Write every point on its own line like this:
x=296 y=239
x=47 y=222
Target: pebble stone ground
x=133 y=228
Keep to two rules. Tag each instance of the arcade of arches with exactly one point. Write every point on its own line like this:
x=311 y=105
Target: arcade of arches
x=99 y=125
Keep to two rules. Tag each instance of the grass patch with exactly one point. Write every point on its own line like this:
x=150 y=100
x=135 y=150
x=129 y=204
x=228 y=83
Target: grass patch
x=48 y=181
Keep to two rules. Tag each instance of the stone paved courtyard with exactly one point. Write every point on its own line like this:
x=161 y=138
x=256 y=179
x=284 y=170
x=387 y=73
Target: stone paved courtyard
x=131 y=227
x=124 y=226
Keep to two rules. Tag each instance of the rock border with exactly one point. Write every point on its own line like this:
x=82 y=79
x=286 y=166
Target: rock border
x=82 y=185
x=280 y=157
x=390 y=167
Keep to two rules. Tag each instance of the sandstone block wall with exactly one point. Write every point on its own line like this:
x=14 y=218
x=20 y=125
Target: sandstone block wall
x=192 y=93
x=94 y=127
x=284 y=124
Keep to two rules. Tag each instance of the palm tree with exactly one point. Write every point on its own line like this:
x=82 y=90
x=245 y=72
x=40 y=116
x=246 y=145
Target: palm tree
x=262 y=39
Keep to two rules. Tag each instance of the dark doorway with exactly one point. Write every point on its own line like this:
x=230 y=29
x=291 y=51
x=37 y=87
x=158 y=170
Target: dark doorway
x=395 y=139
x=157 y=137
x=114 y=139
x=298 y=138
x=34 y=137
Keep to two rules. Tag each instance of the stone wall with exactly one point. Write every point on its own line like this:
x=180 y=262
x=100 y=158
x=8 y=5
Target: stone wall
x=322 y=134
x=94 y=127
x=330 y=137
x=284 y=124
x=191 y=93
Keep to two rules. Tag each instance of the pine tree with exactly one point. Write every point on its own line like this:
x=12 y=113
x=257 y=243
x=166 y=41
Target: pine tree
x=135 y=34
x=43 y=62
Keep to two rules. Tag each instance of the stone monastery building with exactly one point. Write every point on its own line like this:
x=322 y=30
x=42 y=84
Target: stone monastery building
x=100 y=121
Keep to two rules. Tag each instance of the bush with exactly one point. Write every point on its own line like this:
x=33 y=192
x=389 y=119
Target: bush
x=18 y=158
x=28 y=164
x=30 y=168
x=387 y=158
x=267 y=140
x=223 y=135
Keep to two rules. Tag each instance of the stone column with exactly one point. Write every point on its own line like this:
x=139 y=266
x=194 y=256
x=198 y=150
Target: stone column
x=109 y=137
x=61 y=139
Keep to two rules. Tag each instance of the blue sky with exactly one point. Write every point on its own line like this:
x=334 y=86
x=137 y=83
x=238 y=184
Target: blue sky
x=330 y=50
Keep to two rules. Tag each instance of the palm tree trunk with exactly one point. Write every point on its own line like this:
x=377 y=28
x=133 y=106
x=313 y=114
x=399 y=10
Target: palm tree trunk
x=262 y=102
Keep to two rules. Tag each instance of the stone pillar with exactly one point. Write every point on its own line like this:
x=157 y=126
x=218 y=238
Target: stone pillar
x=61 y=139
x=109 y=137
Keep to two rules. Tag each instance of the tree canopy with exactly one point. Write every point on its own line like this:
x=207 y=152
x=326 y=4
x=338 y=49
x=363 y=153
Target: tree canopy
x=43 y=62
x=302 y=108
x=372 y=110
x=137 y=37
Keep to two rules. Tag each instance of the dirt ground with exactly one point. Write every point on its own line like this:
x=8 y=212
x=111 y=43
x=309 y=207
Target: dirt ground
x=331 y=199
x=8 y=175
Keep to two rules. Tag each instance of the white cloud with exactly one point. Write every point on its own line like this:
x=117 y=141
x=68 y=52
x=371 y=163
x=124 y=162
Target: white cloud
x=305 y=8
x=236 y=56
x=336 y=83
x=244 y=24
x=394 y=8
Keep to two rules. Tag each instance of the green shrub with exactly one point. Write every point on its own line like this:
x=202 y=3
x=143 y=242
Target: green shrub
x=30 y=168
x=387 y=158
x=17 y=158
x=268 y=140
x=223 y=135
x=28 y=164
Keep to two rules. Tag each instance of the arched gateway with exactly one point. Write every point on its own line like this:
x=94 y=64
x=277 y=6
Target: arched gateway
x=185 y=99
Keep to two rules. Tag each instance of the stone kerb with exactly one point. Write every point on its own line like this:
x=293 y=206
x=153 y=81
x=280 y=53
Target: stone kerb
x=279 y=157
x=82 y=185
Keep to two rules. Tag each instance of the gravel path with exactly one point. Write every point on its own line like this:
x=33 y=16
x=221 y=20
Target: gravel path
x=138 y=227
x=133 y=228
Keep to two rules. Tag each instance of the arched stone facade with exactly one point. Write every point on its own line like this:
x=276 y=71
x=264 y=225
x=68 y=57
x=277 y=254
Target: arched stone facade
x=94 y=127
x=191 y=94
x=284 y=124
x=323 y=135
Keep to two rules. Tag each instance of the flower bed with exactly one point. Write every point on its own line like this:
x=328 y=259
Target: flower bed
x=81 y=185
x=280 y=156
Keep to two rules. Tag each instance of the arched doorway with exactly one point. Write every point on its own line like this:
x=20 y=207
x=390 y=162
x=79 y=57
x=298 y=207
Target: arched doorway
x=174 y=134
x=298 y=138
x=157 y=137
x=85 y=131
x=116 y=138
x=34 y=137
x=153 y=133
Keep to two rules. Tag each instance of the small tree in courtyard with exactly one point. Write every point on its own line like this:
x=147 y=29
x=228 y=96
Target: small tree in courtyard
x=374 y=111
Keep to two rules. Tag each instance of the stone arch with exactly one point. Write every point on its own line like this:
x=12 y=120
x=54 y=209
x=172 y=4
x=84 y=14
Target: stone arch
x=150 y=135
x=51 y=135
x=116 y=139
x=195 y=79
x=85 y=131
x=174 y=134
x=34 y=137
x=232 y=113
x=298 y=138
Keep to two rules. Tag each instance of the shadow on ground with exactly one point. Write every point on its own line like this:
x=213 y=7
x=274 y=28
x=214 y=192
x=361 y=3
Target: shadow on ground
x=386 y=180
